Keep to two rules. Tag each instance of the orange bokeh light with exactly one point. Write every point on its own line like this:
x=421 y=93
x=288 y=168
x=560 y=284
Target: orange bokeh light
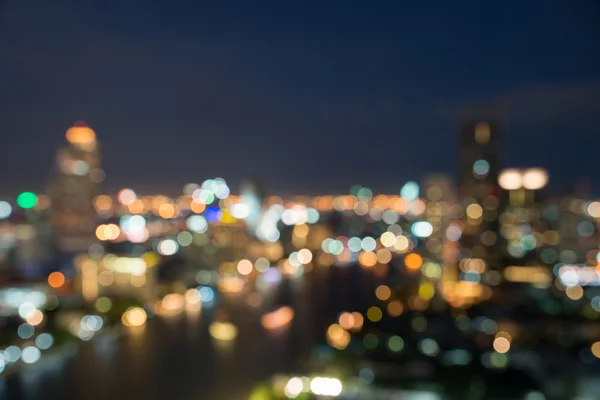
x=367 y=259
x=413 y=261
x=56 y=279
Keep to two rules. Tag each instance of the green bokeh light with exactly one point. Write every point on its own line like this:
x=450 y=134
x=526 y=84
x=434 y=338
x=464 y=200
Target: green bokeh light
x=27 y=200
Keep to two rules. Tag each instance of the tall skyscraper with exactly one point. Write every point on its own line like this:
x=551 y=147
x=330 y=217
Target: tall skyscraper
x=441 y=199
x=73 y=187
x=480 y=150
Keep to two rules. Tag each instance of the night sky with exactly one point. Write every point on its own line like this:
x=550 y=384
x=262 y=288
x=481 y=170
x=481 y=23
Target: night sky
x=304 y=96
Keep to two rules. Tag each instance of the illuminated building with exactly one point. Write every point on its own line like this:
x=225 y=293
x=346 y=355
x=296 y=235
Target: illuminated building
x=576 y=224
x=480 y=146
x=114 y=276
x=253 y=196
x=73 y=188
x=520 y=222
x=441 y=196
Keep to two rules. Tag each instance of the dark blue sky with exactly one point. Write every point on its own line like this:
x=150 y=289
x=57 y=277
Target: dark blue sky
x=307 y=96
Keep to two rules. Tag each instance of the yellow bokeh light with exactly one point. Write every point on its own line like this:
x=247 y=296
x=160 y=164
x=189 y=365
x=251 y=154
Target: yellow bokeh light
x=224 y=331
x=474 y=211
x=388 y=239
x=426 y=291
x=402 y=243
x=134 y=316
x=374 y=314
x=482 y=133
x=335 y=332
x=596 y=349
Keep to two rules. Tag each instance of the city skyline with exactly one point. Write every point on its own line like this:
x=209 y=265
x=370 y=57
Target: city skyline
x=201 y=94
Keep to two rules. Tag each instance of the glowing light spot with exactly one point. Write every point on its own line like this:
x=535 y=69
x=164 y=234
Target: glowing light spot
x=185 y=239
x=240 y=210
x=367 y=259
x=383 y=292
x=596 y=349
x=44 y=341
x=224 y=331
x=510 y=179
x=12 y=354
x=388 y=239
x=474 y=211
x=103 y=304
x=422 y=229
x=213 y=214
x=481 y=168
x=35 y=318
x=368 y=244
x=166 y=210
x=5 y=209
x=426 y=291
x=207 y=294
x=410 y=190
x=134 y=317
x=262 y=264
x=429 y=347
x=126 y=197
x=395 y=344
x=31 y=355
x=56 y=279
x=293 y=387
x=374 y=314
x=278 y=318
x=305 y=256
x=326 y=386
x=535 y=178
x=25 y=331
x=413 y=261
x=501 y=345
x=197 y=223
x=27 y=200
x=168 y=247
x=26 y=309
x=244 y=267
x=354 y=244
x=346 y=320
x=402 y=243
x=395 y=308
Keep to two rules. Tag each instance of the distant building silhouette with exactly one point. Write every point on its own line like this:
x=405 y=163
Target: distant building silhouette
x=480 y=162
x=73 y=187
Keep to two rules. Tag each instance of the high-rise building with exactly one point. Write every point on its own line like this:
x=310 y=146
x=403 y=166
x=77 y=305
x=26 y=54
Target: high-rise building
x=480 y=161
x=521 y=226
x=73 y=187
x=441 y=199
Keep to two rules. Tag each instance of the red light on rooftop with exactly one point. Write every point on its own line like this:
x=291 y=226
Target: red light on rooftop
x=81 y=124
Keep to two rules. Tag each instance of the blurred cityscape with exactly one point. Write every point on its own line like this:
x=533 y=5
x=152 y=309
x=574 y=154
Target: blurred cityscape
x=478 y=283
